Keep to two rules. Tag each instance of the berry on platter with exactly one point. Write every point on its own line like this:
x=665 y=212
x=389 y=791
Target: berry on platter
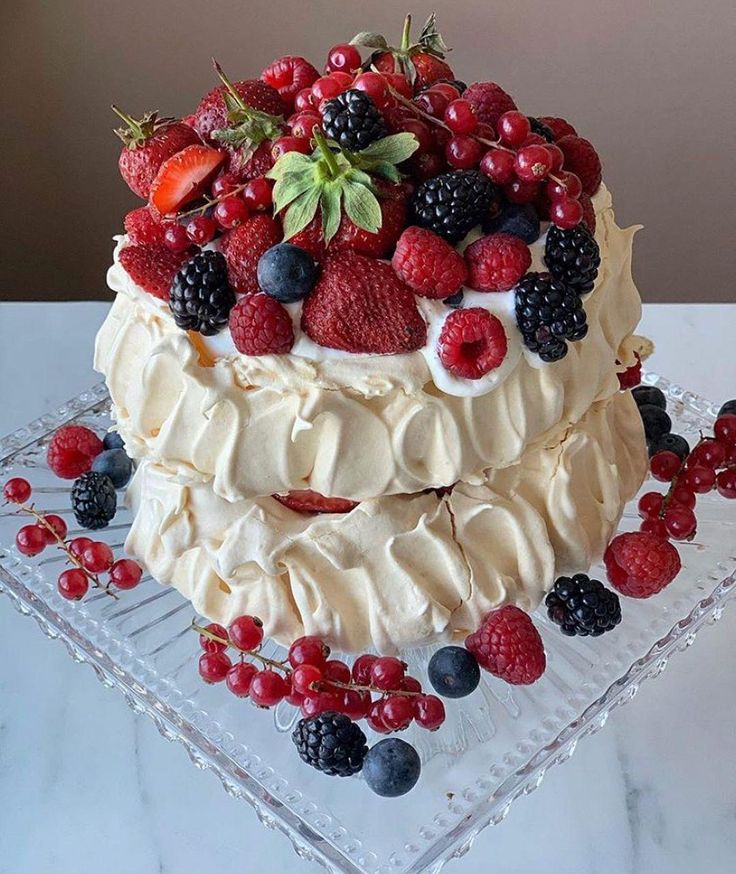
x=308 y=650
x=331 y=743
x=31 y=540
x=113 y=440
x=97 y=557
x=115 y=464
x=246 y=632
x=581 y=606
x=72 y=450
x=391 y=767
x=17 y=490
x=207 y=641
x=94 y=500
x=73 y=584
x=665 y=465
x=646 y=395
x=214 y=666
x=508 y=645
x=239 y=678
x=656 y=422
x=640 y=564
x=286 y=272
x=472 y=343
x=267 y=688
x=125 y=573
x=453 y=672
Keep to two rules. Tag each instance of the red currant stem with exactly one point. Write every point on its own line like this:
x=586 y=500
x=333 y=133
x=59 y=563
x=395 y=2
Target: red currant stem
x=211 y=201
x=358 y=688
x=205 y=632
x=30 y=510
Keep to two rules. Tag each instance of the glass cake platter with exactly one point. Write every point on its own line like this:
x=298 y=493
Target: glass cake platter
x=495 y=746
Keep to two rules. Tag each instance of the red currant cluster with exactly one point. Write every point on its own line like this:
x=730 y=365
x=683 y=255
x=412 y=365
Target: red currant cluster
x=376 y=689
x=711 y=464
x=88 y=557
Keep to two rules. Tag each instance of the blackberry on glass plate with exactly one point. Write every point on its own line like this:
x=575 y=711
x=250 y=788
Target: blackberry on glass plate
x=331 y=743
x=94 y=500
x=581 y=606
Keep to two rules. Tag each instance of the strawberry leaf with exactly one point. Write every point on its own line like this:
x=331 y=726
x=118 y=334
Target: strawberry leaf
x=302 y=211
x=394 y=148
x=330 y=207
x=369 y=39
x=290 y=186
x=361 y=205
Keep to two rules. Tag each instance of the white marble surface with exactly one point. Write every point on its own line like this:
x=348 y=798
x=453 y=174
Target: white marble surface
x=86 y=786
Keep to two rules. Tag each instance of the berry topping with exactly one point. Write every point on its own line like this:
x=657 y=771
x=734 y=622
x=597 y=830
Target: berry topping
x=548 y=314
x=184 y=177
x=259 y=325
x=243 y=248
x=391 y=767
x=453 y=672
x=539 y=127
x=489 y=101
x=472 y=343
x=508 y=645
x=144 y=226
x=289 y=75
x=428 y=264
x=583 y=606
x=201 y=297
x=378 y=244
x=519 y=219
x=331 y=743
x=72 y=450
x=308 y=501
x=452 y=204
x=582 y=160
x=152 y=267
x=352 y=120
x=94 y=501
x=573 y=257
x=115 y=464
x=360 y=305
x=286 y=272
x=343 y=58
x=640 y=564
x=212 y=113
x=497 y=262
x=558 y=126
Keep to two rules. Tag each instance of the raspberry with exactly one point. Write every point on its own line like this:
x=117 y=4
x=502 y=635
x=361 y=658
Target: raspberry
x=497 y=262
x=588 y=211
x=428 y=264
x=631 y=377
x=288 y=75
x=640 y=564
x=144 y=226
x=308 y=501
x=243 y=247
x=559 y=127
x=472 y=343
x=509 y=646
x=259 y=325
x=152 y=267
x=72 y=450
x=582 y=160
x=489 y=101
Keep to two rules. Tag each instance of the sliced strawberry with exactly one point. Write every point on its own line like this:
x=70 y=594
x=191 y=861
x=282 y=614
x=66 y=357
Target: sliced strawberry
x=184 y=177
x=307 y=501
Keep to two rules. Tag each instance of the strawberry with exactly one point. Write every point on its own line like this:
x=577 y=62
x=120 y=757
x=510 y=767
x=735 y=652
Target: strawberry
x=429 y=69
x=308 y=501
x=244 y=168
x=144 y=225
x=360 y=305
x=310 y=238
x=243 y=247
x=152 y=267
x=211 y=114
x=184 y=177
x=149 y=142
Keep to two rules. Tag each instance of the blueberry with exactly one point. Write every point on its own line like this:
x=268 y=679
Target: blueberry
x=453 y=672
x=519 y=219
x=286 y=272
x=656 y=421
x=728 y=408
x=113 y=440
x=391 y=767
x=649 y=394
x=455 y=300
x=670 y=443
x=115 y=464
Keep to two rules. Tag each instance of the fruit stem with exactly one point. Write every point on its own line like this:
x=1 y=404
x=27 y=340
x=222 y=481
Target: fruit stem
x=327 y=152
x=205 y=632
x=212 y=201
x=405 y=34
x=229 y=85
x=358 y=688
x=132 y=123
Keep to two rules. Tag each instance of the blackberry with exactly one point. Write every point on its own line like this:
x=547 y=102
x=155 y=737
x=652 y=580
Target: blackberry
x=539 y=127
x=201 y=297
x=352 y=120
x=452 y=204
x=548 y=314
x=519 y=219
x=331 y=743
x=583 y=606
x=455 y=301
x=573 y=257
x=94 y=501
x=728 y=408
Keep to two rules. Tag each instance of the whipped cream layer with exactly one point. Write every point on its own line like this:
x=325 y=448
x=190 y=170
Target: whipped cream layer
x=397 y=569
x=356 y=426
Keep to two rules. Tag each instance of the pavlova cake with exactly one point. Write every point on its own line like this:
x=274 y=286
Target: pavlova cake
x=367 y=346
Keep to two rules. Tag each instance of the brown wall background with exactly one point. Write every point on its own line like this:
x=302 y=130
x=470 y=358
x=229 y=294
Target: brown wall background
x=650 y=83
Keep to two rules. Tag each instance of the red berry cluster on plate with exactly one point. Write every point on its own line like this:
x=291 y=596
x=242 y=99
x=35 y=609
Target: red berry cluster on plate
x=351 y=195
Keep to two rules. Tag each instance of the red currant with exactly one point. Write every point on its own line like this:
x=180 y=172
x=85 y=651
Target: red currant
x=411 y=684
x=78 y=545
x=308 y=650
x=209 y=645
x=175 y=237
x=231 y=212
x=432 y=102
x=246 y=632
x=73 y=584
x=374 y=86
x=400 y=84
x=313 y=705
x=296 y=699
x=566 y=214
x=224 y=185
x=213 y=666
x=556 y=156
x=267 y=688
x=460 y=117
x=303 y=100
x=699 y=478
x=463 y=152
x=374 y=717
x=421 y=132
x=568 y=188
x=17 y=490
x=257 y=194
x=303 y=124
x=725 y=429
x=680 y=522
x=58 y=525
x=429 y=712
x=336 y=670
x=97 y=557
x=304 y=679
x=31 y=540
x=654 y=526
x=664 y=466
x=425 y=166
x=709 y=453
x=498 y=166
x=448 y=91
x=344 y=58
x=125 y=573
x=684 y=495
x=290 y=144
x=201 y=230
x=355 y=703
x=397 y=712
x=521 y=191
x=387 y=673
x=239 y=677
x=362 y=669
x=726 y=483
x=650 y=504
x=325 y=88
x=534 y=140
x=513 y=128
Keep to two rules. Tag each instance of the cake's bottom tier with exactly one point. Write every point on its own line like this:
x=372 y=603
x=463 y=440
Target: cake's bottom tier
x=398 y=570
